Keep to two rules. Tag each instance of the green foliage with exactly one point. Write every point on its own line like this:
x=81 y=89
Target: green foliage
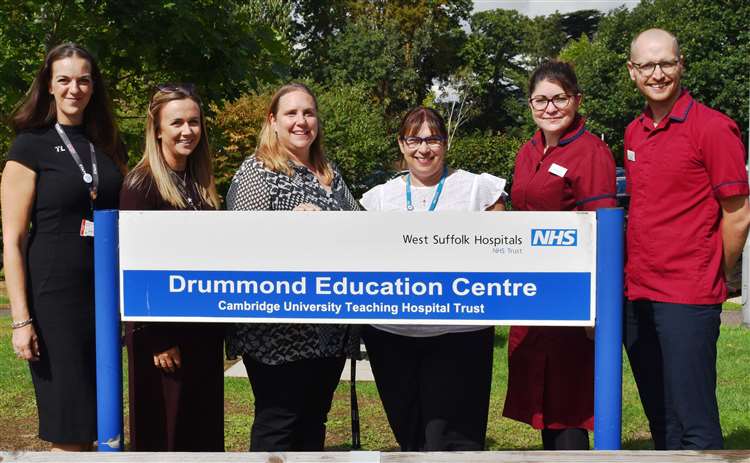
x=234 y=129
x=397 y=48
x=358 y=138
x=502 y=49
x=715 y=42
x=480 y=152
x=215 y=44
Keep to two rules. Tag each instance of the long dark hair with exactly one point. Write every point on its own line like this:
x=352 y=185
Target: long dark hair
x=38 y=109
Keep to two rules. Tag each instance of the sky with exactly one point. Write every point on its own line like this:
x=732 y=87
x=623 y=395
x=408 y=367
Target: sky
x=545 y=7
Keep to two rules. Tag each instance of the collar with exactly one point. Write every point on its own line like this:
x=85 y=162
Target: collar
x=679 y=112
x=573 y=132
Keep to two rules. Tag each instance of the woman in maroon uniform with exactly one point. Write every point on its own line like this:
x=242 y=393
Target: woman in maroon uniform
x=562 y=168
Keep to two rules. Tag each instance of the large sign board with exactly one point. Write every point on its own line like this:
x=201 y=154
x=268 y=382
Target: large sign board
x=359 y=267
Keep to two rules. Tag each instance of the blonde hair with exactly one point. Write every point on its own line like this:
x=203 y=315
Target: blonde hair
x=153 y=164
x=275 y=157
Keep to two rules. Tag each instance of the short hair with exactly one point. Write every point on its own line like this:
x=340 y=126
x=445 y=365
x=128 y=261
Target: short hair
x=273 y=156
x=559 y=72
x=413 y=120
x=676 y=43
x=153 y=164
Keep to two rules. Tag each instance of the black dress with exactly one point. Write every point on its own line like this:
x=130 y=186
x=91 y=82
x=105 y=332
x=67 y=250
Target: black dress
x=60 y=279
x=181 y=411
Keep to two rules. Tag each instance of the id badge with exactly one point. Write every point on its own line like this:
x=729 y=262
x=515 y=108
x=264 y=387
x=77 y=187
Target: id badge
x=557 y=169
x=631 y=156
x=87 y=228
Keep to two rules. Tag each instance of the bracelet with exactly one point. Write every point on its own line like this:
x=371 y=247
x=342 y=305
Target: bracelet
x=21 y=324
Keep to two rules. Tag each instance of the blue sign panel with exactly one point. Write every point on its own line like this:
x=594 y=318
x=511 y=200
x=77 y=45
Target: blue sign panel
x=458 y=297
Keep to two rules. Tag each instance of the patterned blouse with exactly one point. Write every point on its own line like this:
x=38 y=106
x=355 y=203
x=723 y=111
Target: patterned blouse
x=256 y=188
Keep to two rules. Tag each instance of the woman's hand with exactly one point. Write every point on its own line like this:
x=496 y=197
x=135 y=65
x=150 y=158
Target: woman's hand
x=169 y=360
x=26 y=343
x=306 y=207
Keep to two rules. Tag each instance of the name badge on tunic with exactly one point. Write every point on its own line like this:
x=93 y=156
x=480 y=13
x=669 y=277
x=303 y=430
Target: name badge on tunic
x=87 y=228
x=631 y=155
x=557 y=169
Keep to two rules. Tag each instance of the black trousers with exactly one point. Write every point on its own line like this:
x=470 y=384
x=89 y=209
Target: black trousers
x=435 y=390
x=672 y=351
x=292 y=402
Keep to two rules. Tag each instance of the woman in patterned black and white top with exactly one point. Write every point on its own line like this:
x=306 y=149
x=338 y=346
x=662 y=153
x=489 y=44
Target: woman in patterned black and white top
x=434 y=380
x=289 y=171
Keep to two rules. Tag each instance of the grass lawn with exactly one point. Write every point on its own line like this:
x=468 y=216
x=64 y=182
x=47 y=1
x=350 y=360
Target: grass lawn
x=18 y=424
x=731 y=306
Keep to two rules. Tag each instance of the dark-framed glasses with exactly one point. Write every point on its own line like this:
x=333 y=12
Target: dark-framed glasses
x=540 y=103
x=433 y=141
x=647 y=69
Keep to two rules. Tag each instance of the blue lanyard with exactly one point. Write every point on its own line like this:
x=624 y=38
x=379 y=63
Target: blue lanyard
x=435 y=198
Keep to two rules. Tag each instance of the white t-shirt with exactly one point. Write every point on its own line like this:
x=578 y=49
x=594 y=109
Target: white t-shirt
x=462 y=191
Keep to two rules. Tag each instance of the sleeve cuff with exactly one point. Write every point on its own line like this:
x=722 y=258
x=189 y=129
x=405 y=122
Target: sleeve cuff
x=732 y=188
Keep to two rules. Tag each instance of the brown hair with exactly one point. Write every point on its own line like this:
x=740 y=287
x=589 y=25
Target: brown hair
x=413 y=120
x=273 y=156
x=153 y=164
x=38 y=108
x=559 y=72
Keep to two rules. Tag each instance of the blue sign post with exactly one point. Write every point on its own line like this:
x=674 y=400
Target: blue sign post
x=472 y=285
x=108 y=348
x=608 y=339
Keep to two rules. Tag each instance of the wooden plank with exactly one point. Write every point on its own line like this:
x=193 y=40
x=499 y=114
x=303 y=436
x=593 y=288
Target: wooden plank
x=725 y=456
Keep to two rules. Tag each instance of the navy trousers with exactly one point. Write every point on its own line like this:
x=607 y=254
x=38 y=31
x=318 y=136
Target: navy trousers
x=672 y=351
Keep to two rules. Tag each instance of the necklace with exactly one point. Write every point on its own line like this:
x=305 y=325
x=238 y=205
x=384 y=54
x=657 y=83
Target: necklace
x=435 y=197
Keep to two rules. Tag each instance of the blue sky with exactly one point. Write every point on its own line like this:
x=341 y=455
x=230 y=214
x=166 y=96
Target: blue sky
x=545 y=7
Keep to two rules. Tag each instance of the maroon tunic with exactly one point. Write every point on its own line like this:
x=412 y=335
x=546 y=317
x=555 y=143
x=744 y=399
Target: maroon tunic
x=551 y=369
x=184 y=410
x=678 y=172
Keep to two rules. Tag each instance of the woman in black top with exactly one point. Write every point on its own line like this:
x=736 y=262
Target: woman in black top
x=66 y=160
x=289 y=171
x=176 y=381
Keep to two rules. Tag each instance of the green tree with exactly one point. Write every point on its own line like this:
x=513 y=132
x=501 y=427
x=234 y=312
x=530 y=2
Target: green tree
x=396 y=47
x=215 y=44
x=495 y=69
x=358 y=136
x=714 y=39
x=479 y=152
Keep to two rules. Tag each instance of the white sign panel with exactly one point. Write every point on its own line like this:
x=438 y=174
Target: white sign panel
x=359 y=267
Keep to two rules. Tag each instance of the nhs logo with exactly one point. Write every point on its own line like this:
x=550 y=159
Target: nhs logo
x=554 y=237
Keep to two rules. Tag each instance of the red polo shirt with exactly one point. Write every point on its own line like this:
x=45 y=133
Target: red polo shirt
x=576 y=175
x=676 y=174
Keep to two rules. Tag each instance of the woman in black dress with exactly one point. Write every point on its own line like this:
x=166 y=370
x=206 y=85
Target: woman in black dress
x=67 y=159
x=289 y=171
x=175 y=369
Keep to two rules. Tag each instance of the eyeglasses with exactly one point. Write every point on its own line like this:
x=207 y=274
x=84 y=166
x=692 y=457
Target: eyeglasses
x=540 y=103
x=434 y=141
x=647 y=69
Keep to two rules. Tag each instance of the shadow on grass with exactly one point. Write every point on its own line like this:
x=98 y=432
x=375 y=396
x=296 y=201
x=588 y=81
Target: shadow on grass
x=640 y=443
x=493 y=444
x=501 y=337
x=738 y=439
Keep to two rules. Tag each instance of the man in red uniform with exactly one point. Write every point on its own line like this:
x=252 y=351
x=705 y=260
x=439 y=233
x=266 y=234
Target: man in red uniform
x=687 y=224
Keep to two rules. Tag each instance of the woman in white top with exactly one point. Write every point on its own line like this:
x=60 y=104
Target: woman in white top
x=435 y=380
